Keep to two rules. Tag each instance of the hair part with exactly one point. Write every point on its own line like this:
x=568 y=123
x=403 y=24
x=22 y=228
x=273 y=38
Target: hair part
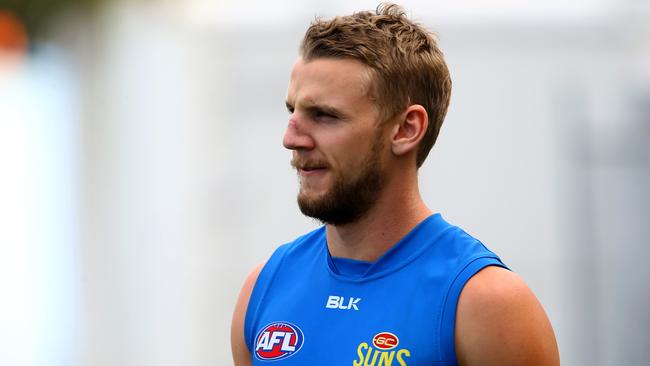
x=406 y=65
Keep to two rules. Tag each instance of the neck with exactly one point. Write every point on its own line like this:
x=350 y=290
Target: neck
x=396 y=213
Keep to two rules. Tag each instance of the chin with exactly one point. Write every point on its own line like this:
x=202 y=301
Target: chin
x=310 y=196
x=314 y=190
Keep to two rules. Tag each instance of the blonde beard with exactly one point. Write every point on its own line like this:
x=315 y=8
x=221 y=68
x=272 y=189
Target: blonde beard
x=348 y=199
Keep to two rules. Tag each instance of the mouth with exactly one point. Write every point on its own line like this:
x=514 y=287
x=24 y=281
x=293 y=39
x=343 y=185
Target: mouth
x=309 y=167
x=311 y=170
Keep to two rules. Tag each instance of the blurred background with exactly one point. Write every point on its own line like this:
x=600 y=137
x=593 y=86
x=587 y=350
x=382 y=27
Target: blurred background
x=142 y=174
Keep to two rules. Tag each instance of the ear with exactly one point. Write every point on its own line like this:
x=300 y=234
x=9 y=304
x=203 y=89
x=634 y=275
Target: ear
x=409 y=130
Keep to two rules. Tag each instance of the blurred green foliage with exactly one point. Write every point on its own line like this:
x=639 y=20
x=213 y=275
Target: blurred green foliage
x=37 y=14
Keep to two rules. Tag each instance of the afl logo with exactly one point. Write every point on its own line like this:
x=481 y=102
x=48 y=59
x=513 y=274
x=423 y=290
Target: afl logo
x=277 y=341
x=385 y=341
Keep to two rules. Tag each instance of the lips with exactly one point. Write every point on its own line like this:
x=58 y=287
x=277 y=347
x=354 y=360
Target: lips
x=310 y=170
x=307 y=166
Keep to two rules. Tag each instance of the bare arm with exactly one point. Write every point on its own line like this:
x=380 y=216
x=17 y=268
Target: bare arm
x=500 y=322
x=240 y=353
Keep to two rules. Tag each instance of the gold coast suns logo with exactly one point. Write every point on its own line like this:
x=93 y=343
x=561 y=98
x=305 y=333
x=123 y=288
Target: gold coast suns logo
x=382 y=352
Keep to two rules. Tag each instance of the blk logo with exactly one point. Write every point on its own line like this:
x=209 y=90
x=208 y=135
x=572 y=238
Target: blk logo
x=340 y=302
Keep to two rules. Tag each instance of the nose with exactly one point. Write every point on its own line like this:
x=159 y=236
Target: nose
x=295 y=137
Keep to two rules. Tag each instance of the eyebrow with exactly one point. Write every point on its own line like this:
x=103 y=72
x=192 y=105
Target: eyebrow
x=320 y=108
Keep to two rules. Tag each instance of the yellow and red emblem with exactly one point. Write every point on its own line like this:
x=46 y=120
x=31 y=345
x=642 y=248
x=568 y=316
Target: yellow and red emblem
x=382 y=352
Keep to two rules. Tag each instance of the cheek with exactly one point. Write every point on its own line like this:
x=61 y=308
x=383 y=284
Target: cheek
x=354 y=158
x=347 y=150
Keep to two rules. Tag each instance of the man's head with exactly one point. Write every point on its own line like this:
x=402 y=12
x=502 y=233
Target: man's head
x=367 y=96
x=406 y=65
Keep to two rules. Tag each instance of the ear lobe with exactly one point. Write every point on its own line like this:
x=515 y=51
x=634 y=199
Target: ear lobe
x=409 y=130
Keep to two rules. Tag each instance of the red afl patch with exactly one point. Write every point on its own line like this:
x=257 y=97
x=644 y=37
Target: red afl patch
x=277 y=341
x=385 y=341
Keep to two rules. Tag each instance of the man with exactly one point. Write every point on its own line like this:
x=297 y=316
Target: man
x=384 y=281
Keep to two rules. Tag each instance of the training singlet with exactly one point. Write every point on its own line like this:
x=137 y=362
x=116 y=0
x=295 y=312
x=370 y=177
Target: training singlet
x=308 y=308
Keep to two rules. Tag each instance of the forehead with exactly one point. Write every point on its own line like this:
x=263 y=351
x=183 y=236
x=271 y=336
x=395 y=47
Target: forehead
x=329 y=80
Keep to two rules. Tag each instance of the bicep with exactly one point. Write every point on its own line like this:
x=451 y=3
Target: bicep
x=499 y=321
x=240 y=353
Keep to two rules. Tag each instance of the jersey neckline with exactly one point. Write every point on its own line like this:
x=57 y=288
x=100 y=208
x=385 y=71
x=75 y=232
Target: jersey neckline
x=411 y=246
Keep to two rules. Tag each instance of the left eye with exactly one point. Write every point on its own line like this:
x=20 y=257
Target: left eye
x=319 y=114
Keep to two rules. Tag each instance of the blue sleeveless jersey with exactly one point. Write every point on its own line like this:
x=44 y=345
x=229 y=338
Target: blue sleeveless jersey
x=308 y=308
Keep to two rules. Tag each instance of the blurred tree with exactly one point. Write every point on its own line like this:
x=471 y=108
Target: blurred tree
x=36 y=15
x=13 y=36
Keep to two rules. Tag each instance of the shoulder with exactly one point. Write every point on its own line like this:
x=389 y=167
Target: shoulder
x=241 y=354
x=499 y=321
x=262 y=274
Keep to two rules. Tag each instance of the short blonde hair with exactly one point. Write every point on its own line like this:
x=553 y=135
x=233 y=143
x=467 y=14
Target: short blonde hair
x=406 y=64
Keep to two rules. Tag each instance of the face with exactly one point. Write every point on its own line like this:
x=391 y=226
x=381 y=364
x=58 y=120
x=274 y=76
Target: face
x=336 y=139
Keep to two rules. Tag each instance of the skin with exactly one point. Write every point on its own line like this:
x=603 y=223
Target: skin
x=241 y=355
x=499 y=320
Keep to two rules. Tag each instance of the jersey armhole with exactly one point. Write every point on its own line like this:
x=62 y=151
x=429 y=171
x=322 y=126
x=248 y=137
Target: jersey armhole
x=448 y=318
x=259 y=292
